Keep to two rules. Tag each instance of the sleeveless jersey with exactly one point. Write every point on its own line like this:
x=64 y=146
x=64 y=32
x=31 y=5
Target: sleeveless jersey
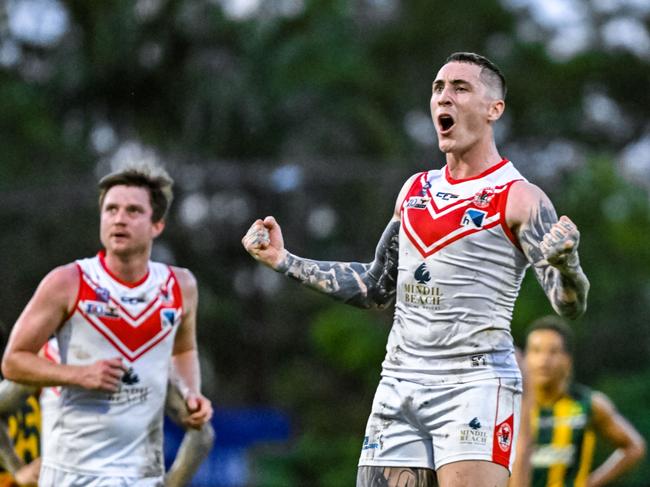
x=50 y=401
x=459 y=273
x=564 y=441
x=105 y=434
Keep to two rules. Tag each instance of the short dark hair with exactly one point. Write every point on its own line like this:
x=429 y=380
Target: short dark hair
x=151 y=177
x=556 y=324
x=490 y=72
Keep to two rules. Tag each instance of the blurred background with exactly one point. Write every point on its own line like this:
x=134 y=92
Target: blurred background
x=316 y=111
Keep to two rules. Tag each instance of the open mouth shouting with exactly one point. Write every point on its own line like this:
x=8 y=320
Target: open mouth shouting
x=445 y=123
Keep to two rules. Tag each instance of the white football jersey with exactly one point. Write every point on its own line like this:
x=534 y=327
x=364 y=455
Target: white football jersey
x=459 y=272
x=99 y=433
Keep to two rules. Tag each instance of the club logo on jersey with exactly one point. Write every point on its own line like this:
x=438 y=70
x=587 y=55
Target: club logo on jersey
x=446 y=196
x=164 y=294
x=418 y=202
x=168 y=317
x=473 y=218
x=130 y=377
x=102 y=294
x=98 y=308
x=482 y=198
x=504 y=436
x=422 y=274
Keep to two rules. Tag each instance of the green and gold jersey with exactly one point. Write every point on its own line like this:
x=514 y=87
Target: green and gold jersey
x=564 y=440
x=24 y=427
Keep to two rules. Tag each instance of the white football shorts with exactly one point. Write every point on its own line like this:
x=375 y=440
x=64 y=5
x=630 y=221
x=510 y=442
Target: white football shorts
x=413 y=425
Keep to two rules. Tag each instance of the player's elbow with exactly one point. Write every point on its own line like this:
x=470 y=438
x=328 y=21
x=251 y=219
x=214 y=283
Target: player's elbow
x=9 y=367
x=637 y=450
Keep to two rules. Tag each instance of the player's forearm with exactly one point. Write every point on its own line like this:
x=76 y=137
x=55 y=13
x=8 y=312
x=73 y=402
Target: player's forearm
x=8 y=457
x=30 y=369
x=567 y=288
x=194 y=448
x=186 y=372
x=363 y=285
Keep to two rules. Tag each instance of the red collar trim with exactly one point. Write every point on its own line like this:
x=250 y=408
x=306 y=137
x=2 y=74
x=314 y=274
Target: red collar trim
x=489 y=170
x=102 y=260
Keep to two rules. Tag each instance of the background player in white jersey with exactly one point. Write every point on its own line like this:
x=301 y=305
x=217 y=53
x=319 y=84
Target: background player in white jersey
x=452 y=258
x=124 y=325
x=194 y=447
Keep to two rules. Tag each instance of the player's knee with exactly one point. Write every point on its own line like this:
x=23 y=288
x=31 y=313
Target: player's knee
x=395 y=477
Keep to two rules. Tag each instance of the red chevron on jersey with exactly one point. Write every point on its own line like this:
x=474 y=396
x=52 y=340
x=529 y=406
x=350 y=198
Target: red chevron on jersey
x=131 y=334
x=431 y=228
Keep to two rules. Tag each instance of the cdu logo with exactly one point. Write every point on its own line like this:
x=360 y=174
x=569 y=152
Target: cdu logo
x=422 y=274
x=473 y=218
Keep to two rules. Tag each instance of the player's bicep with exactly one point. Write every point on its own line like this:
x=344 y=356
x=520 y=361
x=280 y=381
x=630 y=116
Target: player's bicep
x=533 y=217
x=46 y=310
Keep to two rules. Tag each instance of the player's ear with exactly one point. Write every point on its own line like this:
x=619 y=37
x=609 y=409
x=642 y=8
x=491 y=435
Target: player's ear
x=158 y=227
x=496 y=109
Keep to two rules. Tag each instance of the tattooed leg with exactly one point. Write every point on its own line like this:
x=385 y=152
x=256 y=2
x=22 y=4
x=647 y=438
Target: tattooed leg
x=395 y=477
x=551 y=246
x=363 y=285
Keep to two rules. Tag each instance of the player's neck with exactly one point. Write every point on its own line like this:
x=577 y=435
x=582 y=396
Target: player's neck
x=128 y=268
x=549 y=394
x=474 y=161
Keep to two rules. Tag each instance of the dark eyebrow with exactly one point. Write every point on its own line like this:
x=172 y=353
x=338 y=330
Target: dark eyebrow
x=454 y=82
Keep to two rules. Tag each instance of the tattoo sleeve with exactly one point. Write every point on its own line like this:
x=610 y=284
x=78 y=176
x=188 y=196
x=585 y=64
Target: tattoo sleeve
x=363 y=285
x=395 y=477
x=563 y=281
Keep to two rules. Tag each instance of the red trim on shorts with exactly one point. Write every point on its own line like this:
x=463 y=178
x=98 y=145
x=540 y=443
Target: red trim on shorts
x=489 y=170
x=503 y=436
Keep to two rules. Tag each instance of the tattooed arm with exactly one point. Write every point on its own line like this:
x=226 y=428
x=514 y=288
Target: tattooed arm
x=551 y=247
x=363 y=285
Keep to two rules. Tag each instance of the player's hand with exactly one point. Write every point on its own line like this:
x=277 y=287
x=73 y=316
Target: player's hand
x=264 y=242
x=103 y=375
x=28 y=474
x=560 y=245
x=199 y=409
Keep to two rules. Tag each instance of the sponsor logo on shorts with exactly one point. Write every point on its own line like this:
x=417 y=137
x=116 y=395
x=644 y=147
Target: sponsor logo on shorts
x=504 y=436
x=473 y=435
x=368 y=445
